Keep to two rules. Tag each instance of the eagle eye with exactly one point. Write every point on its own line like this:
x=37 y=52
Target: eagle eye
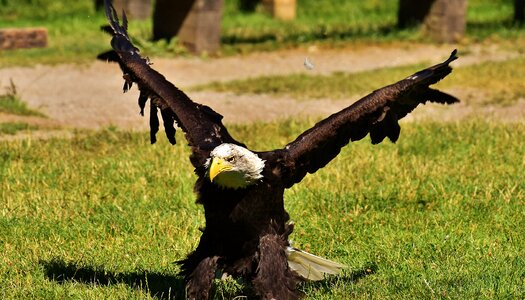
x=230 y=159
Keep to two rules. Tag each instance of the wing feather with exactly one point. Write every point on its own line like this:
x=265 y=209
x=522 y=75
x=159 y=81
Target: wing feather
x=376 y=114
x=202 y=126
x=168 y=121
x=153 y=122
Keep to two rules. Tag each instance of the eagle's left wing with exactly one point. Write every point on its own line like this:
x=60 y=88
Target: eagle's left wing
x=376 y=114
x=202 y=126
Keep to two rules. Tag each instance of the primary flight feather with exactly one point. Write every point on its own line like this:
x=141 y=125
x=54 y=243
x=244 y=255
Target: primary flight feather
x=247 y=227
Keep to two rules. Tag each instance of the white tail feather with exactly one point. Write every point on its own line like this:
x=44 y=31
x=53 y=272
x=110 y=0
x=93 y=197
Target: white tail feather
x=310 y=266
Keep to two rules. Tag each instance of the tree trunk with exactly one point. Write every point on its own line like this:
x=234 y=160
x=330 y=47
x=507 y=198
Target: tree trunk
x=447 y=20
x=519 y=11
x=443 y=20
x=135 y=9
x=197 y=23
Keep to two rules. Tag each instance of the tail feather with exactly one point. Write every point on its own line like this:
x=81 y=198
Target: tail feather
x=310 y=266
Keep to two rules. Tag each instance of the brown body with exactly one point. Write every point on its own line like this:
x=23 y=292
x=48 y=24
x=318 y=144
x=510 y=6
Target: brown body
x=237 y=223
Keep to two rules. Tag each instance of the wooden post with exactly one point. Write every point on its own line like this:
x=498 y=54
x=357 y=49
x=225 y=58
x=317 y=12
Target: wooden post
x=281 y=9
x=135 y=9
x=195 y=22
x=447 y=20
x=443 y=20
x=519 y=11
x=15 y=38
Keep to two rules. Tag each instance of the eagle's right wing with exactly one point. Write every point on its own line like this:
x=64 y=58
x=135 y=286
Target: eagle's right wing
x=202 y=126
x=376 y=114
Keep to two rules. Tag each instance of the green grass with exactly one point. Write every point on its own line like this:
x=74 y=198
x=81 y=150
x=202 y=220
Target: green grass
x=328 y=22
x=10 y=103
x=440 y=214
x=478 y=78
x=14 y=127
x=13 y=105
x=337 y=22
x=74 y=34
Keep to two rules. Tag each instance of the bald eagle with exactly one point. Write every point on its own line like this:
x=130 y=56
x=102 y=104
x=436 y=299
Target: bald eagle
x=247 y=227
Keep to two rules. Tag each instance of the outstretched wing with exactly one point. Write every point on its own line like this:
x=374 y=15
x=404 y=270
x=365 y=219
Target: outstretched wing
x=202 y=126
x=376 y=114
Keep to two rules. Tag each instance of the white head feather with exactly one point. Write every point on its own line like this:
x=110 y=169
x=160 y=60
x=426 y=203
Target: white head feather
x=246 y=166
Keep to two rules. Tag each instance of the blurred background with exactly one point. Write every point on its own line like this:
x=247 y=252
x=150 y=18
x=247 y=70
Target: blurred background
x=250 y=25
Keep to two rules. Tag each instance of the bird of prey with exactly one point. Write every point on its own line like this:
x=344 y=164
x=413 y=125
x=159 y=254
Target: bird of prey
x=247 y=228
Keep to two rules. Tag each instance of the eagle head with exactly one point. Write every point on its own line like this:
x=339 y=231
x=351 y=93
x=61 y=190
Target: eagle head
x=232 y=166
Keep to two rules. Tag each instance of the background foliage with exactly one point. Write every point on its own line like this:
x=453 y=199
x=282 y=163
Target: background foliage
x=74 y=34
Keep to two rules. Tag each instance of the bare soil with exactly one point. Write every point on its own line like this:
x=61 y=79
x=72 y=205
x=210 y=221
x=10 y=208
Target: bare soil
x=89 y=96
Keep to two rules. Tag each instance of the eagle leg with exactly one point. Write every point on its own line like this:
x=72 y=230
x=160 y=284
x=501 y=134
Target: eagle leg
x=274 y=279
x=200 y=280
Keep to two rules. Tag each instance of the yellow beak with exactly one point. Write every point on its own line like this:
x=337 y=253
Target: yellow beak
x=218 y=166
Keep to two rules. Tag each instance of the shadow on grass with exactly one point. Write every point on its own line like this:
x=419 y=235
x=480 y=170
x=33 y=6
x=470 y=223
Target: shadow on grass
x=349 y=277
x=163 y=286
x=160 y=286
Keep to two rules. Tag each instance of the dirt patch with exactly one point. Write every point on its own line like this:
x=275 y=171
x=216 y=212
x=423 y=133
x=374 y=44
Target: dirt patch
x=88 y=96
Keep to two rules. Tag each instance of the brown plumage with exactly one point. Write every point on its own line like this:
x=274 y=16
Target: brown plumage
x=247 y=229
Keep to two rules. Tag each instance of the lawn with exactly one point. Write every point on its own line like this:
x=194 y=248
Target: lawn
x=74 y=34
x=440 y=214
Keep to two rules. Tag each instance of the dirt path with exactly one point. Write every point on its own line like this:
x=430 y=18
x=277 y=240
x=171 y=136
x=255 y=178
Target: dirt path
x=89 y=97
